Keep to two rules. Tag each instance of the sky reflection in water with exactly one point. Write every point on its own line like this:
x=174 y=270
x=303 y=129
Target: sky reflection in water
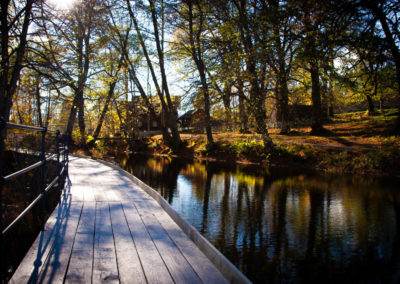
x=278 y=226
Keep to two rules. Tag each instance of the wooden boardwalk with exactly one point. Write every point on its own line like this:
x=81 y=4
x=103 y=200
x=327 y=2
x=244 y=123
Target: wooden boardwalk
x=107 y=229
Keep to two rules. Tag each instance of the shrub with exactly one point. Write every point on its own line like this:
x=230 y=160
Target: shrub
x=248 y=148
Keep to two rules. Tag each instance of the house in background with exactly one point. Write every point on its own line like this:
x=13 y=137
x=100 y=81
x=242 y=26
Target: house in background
x=145 y=121
x=193 y=120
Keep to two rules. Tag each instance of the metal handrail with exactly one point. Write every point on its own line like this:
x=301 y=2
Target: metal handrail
x=62 y=168
x=23 y=171
x=28 y=127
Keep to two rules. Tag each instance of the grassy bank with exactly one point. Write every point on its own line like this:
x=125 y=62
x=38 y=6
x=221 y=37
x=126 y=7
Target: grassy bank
x=353 y=143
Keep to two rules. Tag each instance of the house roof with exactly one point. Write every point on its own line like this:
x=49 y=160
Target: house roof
x=187 y=114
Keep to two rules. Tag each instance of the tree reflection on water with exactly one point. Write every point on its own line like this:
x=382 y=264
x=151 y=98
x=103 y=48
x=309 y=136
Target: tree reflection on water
x=280 y=226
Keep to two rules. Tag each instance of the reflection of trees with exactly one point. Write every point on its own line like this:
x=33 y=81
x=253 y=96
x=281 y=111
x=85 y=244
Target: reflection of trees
x=207 y=188
x=158 y=172
x=224 y=211
x=197 y=173
x=276 y=227
x=394 y=269
x=316 y=219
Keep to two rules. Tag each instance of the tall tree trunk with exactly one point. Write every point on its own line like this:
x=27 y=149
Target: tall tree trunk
x=10 y=71
x=316 y=125
x=96 y=132
x=283 y=99
x=257 y=95
x=258 y=107
x=81 y=120
x=324 y=99
x=72 y=115
x=210 y=140
x=20 y=117
x=195 y=47
x=330 y=111
x=47 y=121
x=110 y=95
x=38 y=102
x=244 y=128
x=78 y=104
x=170 y=111
x=226 y=99
x=390 y=40
x=371 y=107
x=281 y=69
x=174 y=141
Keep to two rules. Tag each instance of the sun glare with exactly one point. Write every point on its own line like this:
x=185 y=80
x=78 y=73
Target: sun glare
x=62 y=4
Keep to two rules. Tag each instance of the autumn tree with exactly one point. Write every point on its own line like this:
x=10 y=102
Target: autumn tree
x=15 y=17
x=66 y=52
x=381 y=18
x=155 y=13
x=191 y=40
x=252 y=35
x=320 y=31
x=284 y=44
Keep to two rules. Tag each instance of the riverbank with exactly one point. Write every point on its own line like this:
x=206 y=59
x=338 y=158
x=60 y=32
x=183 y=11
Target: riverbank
x=382 y=161
x=353 y=143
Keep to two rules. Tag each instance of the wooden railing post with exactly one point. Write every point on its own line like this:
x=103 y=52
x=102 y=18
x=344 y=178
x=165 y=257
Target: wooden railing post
x=43 y=176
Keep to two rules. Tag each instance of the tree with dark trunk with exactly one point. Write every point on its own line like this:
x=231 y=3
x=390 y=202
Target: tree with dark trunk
x=14 y=31
x=386 y=12
x=168 y=109
x=195 y=24
x=65 y=53
x=255 y=68
x=317 y=114
x=38 y=100
x=319 y=28
x=281 y=59
x=114 y=74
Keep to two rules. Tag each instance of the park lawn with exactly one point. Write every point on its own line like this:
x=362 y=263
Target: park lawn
x=355 y=130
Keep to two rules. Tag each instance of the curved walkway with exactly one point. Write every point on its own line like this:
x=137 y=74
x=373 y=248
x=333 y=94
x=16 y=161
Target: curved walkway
x=108 y=229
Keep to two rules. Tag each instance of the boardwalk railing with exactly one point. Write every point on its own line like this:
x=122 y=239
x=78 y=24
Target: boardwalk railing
x=60 y=156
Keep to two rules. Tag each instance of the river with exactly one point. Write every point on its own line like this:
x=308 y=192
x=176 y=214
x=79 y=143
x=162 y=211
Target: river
x=285 y=226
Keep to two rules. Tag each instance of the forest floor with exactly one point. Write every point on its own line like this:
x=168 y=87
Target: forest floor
x=353 y=143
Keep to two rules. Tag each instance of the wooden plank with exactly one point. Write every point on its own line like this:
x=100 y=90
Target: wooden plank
x=55 y=268
x=99 y=193
x=111 y=184
x=30 y=267
x=129 y=265
x=88 y=193
x=125 y=237
x=135 y=193
x=110 y=192
x=204 y=268
x=76 y=193
x=81 y=261
x=153 y=265
x=180 y=269
x=105 y=268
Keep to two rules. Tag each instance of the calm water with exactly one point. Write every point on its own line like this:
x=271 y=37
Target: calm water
x=286 y=227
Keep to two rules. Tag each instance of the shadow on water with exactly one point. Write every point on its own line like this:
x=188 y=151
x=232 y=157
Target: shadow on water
x=281 y=226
